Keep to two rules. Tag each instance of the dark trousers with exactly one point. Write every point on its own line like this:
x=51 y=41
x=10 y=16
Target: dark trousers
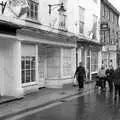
x=102 y=82
x=81 y=81
x=117 y=89
x=110 y=83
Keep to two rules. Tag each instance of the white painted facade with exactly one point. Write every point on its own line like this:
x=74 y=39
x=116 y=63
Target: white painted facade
x=55 y=59
x=91 y=8
x=54 y=50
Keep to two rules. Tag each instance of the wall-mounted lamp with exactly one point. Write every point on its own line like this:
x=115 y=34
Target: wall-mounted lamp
x=3 y=5
x=61 y=9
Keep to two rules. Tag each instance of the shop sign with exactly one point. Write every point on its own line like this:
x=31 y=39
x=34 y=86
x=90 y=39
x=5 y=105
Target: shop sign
x=104 y=26
x=109 y=48
x=112 y=47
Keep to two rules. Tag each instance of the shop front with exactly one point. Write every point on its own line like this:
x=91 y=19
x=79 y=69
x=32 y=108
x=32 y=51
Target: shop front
x=109 y=55
x=32 y=58
x=47 y=59
x=89 y=53
x=56 y=65
x=10 y=49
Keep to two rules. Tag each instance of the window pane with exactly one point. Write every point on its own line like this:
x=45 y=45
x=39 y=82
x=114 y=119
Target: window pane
x=23 y=76
x=33 y=11
x=23 y=65
x=27 y=63
x=32 y=75
x=33 y=63
x=81 y=27
x=28 y=69
x=27 y=76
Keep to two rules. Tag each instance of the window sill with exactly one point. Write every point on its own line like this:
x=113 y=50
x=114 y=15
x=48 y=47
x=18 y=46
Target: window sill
x=94 y=72
x=29 y=84
x=62 y=29
x=81 y=34
x=66 y=77
x=32 y=21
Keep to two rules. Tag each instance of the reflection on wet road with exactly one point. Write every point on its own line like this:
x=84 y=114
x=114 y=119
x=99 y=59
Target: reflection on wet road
x=94 y=106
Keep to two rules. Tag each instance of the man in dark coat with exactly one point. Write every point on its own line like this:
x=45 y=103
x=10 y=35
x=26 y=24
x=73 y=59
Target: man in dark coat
x=117 y=81
x=80 y=75
x=109 y=77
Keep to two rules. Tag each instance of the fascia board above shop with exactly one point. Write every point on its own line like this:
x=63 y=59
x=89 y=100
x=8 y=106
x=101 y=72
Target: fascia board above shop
x=48 y=35
x=9 y=25
x=82 y=40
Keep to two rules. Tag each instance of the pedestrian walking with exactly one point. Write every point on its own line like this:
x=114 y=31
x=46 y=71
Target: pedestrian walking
x=101 y=75
x=80 y=75
x=117 y=81
x=109 y=77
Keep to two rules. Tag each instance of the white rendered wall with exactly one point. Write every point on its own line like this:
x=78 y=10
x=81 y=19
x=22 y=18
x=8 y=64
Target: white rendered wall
x=10 y=68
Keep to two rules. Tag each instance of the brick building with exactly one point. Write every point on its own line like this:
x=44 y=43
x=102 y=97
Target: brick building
x=109 y=32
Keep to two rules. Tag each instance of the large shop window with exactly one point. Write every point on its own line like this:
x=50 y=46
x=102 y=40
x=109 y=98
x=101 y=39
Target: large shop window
x=67 y=62
x=28 y=63
x=28 y=69
x=53 y=62
x=94 y=61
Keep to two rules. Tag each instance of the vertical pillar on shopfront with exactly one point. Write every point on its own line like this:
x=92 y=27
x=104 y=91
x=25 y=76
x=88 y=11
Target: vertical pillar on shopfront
x=79 y=55
x=12 y=69
x=76 y=57
x=18 y=90
x=73 y=61
x=61 y=63
x=37 y=78
x=45 y=68
x=99 y=59
x=90 y=65
x=2 y=88
x=85 y=52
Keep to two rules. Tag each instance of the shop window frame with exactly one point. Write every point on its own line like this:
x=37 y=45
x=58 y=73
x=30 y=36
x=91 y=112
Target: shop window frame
x=29 y=66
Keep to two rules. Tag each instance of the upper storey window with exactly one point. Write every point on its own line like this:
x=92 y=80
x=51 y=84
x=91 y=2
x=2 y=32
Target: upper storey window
x=81 y=19
x=106 y=12
x=62 y=22
x=63 y=16
x=33 y=9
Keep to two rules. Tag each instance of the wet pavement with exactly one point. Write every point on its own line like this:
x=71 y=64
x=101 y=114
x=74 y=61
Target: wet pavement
x=40 y=99
x=93 y=106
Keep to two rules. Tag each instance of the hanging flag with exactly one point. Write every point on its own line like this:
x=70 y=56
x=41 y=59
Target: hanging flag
x=18 y=7
x=93 y=31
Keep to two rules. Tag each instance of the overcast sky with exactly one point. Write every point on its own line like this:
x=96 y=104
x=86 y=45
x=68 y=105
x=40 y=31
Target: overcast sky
x=116 y=3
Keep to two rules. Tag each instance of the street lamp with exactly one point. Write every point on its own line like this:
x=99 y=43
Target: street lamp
x=3 y=5
x=60 y=10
